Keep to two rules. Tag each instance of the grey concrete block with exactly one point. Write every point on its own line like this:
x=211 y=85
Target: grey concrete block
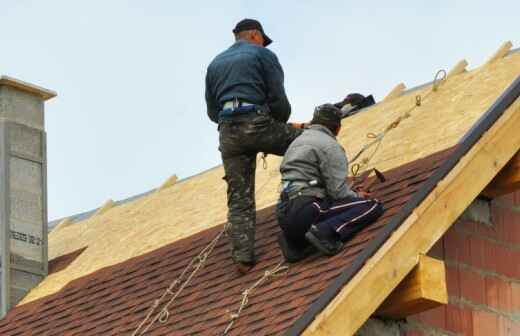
x=24 y=280
x=377 y=327
x=21 y=107
x=25 y=206
x=25 y=140
x=478 y=211
x=27 y=264
x=25 y=175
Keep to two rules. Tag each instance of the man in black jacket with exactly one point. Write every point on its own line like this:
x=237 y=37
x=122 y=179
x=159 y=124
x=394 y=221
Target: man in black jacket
x=245 y=95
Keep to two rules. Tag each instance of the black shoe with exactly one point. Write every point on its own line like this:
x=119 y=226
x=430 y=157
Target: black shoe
x=324 y=244
x=291 y=253
x=244 y=267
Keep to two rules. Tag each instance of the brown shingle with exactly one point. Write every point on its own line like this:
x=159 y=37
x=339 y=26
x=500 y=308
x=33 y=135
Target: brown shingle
x=114 y=300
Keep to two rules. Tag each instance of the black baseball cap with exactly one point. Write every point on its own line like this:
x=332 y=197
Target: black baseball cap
x=250 y=24
x=326 y=113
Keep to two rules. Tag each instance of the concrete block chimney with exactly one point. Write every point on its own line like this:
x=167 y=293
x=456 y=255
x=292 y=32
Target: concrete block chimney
x=23 y=190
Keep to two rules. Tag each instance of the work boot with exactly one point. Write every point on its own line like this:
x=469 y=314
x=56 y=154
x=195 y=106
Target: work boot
x=244 y=267
x=324 y=244
x=292 y=253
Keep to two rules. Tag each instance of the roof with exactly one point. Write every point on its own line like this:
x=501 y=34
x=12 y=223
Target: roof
x=162 y=217
x=466 y=130
x=126 y=290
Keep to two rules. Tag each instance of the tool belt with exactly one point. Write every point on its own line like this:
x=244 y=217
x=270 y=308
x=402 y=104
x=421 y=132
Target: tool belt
x=294 y=189
x=235 y=108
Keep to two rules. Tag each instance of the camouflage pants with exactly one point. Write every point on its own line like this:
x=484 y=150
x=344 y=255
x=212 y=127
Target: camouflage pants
x=241 y=139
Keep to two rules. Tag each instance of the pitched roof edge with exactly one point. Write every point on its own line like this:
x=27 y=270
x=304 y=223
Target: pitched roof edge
x=466 y=143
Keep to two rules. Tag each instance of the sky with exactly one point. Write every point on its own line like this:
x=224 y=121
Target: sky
x=130 y=110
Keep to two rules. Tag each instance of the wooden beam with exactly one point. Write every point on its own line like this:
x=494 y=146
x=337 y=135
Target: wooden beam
x=396 y=92
x=168 y=183
x=507 y=181
x=423 y=288
x=365 y=292
x=63 y=223
x=458 y=68
x=501 y=52
x=105 y=207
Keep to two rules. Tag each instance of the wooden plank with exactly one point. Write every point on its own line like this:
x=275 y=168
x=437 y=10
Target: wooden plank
x=396 y=92
x=501 y=52
x=105 y=207
x=423 y=288
x=428 y=222
x=507 y=181
x=168 y=183
x=63 y=223
x=459 y=68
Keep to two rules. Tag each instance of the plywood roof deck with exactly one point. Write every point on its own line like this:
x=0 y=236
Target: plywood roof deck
x=192 y=205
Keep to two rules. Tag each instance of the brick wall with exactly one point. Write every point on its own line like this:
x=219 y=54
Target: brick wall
x=483 y=277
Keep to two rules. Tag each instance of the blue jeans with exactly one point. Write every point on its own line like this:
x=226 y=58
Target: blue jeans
x=339 y=220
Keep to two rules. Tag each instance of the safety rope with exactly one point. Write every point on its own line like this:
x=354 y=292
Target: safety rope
x=378 y=138
x=196 y=263
x=279 y=270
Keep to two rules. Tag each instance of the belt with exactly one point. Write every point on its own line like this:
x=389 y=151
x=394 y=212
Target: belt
x=295 y=189
x=233 y=104
x=234 y=108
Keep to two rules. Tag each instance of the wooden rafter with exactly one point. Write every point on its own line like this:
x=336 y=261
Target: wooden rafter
x=424 y=288
x=507 y=181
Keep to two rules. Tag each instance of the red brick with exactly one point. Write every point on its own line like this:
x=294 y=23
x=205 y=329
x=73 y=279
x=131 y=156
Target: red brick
x=437 y=251
x=485 y=324
x=511 y=199
x=453 y=280
x=472 y=286
x=459 y=320
x=435 y=317
x=508 y=327
x=506 y=223
x=412 y=333
x=477 y=250
x=505 y=294
x=507 y=260
x=515 y=297
x=492 y=285
x=456 y=246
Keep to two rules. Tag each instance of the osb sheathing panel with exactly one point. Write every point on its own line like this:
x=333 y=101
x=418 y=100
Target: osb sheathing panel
x=199 y=202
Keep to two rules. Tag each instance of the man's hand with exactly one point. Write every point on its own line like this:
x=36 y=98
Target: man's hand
x=363 y=194
x=353 y=99
x=299 y=125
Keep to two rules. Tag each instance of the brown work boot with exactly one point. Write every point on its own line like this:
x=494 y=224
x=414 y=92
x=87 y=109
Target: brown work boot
x=244 y=267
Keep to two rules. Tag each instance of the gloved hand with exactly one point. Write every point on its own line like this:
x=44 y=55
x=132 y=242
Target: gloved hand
x=299 y=125
x=353 y=99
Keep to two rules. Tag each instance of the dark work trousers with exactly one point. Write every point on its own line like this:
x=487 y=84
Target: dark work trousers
x=339 y=219
x=241 y=139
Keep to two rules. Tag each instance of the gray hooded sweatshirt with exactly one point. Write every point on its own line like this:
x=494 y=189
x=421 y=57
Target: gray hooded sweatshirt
x=317 y=155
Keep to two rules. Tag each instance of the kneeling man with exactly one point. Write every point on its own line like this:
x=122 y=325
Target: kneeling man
x=317 y=210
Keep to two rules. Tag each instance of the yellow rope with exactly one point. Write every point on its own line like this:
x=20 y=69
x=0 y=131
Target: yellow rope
x=278 y=270
x=378 y=138
x=196 y=263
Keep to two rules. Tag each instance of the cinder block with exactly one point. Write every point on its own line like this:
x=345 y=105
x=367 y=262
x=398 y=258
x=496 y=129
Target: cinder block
x=21 y=107
x=25 y=140
x=25 y=175
x=377 y=327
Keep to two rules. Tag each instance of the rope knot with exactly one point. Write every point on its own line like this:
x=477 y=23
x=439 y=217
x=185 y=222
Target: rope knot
x=164 y=315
